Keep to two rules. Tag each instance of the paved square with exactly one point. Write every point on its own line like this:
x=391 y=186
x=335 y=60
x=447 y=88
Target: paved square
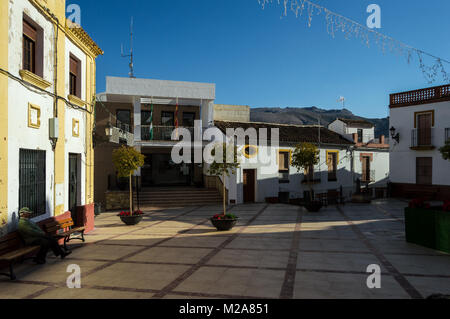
x=275 y=251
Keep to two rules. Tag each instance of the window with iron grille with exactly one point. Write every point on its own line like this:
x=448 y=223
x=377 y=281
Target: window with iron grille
x=32 y=183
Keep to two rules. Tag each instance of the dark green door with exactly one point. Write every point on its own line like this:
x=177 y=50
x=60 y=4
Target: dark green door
x=73 y=182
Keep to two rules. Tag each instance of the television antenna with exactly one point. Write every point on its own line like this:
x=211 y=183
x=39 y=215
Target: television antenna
x=131 y=65
x=342 y=100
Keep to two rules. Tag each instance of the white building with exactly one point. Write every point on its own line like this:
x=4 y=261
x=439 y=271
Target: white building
x=266 y=172
x=420 y=122
x=47 y=112
x=371 y=154
x=365 y=131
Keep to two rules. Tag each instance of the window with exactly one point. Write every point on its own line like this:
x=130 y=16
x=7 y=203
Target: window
x=32 y=47
x=75 y=77
x=167 y=119
x=188 y=119
x=32 y=183
x=284 y=159
x=332 y=162
x=360 y=135
x=29 y=47
x=424 y=170
x=124 y=120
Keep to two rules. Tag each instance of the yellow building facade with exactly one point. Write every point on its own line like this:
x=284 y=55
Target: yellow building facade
x=47 y=94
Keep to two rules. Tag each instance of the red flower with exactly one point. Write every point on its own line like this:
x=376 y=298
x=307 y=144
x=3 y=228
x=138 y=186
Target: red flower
x=419 y=203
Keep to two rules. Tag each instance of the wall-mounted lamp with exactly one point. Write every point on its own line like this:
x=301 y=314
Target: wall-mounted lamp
x=109 y=130
x=394 y=136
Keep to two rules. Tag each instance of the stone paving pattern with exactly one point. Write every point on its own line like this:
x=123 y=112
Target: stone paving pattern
x=275 y=251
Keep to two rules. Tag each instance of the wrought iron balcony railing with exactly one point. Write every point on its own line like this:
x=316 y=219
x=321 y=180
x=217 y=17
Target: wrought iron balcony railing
x=161 y=133
x=123 y=127
x=422 y=138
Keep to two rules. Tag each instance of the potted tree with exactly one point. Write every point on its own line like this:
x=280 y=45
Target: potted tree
x=305 y=156
x=445 y=150
x=224 y=165
x=127 y=160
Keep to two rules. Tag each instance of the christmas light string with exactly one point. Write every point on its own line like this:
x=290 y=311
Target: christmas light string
x=350 y=28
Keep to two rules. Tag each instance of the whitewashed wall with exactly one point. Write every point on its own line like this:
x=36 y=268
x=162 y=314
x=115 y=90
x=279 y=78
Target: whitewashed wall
x=380 y=164
x=19 y=134
x=341 y=128
x=268 y=183
x=403 y=159
x=75 y=145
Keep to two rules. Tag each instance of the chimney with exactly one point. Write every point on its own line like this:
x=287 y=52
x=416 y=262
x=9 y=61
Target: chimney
x=382 y=140
x=355 y=138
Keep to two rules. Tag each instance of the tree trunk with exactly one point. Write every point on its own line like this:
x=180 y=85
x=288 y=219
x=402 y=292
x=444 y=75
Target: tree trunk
x=131 y=196
x=224 y=196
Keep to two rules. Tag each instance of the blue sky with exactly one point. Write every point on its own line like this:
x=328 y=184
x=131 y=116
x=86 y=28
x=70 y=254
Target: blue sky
x=258 y=58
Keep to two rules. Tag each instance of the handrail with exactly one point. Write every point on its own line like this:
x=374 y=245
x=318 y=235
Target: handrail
x=420 y=96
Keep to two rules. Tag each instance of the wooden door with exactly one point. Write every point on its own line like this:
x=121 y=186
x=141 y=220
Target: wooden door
x=249 y=185
x=424 y=129
x=366 y=169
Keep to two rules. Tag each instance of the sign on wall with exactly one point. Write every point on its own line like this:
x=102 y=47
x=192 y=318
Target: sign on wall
x=34 y=116
x=75 y=128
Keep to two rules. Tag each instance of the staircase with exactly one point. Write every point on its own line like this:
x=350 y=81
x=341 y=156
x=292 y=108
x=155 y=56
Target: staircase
x=176 y=197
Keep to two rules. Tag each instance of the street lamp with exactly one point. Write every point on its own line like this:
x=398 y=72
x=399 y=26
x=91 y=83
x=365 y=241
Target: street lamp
x=394 y=136
x=109 y=130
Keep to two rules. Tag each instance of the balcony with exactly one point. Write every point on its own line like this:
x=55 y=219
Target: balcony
x=423 y=96
x=422 y=139
x=161 y=133
x=368 y=176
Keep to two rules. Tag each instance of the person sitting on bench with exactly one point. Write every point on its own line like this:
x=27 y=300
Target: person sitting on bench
x=32 y=234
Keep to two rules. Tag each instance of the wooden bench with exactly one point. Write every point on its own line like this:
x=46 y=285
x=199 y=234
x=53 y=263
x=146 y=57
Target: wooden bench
x=64 y=229
x=12 y=250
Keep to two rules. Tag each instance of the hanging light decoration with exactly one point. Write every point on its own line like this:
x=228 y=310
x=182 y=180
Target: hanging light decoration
x=430 y=65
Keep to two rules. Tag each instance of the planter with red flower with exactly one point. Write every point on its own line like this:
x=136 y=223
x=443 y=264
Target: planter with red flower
x=224 y=222
x=428 y=226
x=131 y=219
x=224 y=165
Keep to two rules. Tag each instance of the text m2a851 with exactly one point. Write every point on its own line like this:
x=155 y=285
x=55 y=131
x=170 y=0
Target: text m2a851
x=246 y=309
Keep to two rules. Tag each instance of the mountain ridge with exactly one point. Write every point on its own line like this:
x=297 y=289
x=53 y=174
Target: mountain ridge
x=310 y=116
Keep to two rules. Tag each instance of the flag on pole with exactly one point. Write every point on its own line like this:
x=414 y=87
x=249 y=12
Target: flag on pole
x=151 y=122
